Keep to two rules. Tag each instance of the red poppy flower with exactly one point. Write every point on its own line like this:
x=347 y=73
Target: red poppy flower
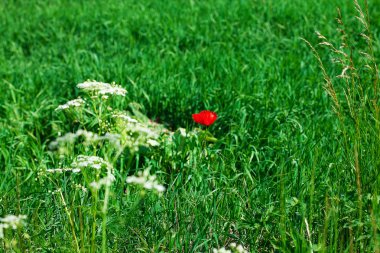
x=205 y=118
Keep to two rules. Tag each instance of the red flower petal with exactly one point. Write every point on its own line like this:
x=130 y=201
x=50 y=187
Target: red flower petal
x=197 y=118
x=205 y=118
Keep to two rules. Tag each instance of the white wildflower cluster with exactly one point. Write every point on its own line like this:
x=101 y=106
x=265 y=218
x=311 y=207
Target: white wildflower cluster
x=61 y=170
x=89 y=139
x=93 y=86
x=95 y=162
x=124 y=117
x=112 y=138
x=72 y=103
x=146 y=180
x=106 y=181
x=135 y=133
x=115 y=90
x=101 y=88
x=233 y=248
x=221 y=250
x=145 y=130
x=238 y=248
x=11 y=221
x=82 y=162
x=153 y=143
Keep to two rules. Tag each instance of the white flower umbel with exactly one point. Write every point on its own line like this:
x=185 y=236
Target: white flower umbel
x=153 y=143
x=233 y=248
x=238 y=248
x=72 y=103
x=135 y=134
x=124 y=117
x=93 y=86
x=114 y=139
x=68 y=138
x=103 y=89
x=61 y=170
x=11 y=221
x=88 y=135
x=146 y=180
x=221 y=250
x=94 y=162
x=115 y=90
x=89 y=138
x=145 y=130
x=106 y=181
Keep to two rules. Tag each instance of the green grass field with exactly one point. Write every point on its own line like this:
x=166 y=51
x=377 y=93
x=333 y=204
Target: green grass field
x=286 y=174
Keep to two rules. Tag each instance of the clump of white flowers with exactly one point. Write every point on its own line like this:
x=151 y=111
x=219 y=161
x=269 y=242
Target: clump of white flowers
x=133 y=130
x=93 y=86
x=113 y=133
x=72 y=103
x=136 y=133
x=89 y=138
x=146 y=180
x=61 y=170
x=11 y=221
x=153 y=143
x=83 y=162
x=106 y=181
x=102 y=88
x=95 y=162
x=238 y=248
x=124 y=117
x=234 y=248
x=114 y=90
x=221 y=250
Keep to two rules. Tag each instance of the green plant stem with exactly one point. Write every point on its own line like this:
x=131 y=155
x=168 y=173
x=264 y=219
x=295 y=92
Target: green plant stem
x=70 y=221
x=94 y=211
x=104 y=212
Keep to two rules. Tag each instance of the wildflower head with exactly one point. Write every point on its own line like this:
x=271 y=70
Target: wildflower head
x=11 y=221
x=104 y=89
x=146 y=180
x=206 y=118
x=94 y=162
x=70 y=104
x=93 y=86
x=106 y=181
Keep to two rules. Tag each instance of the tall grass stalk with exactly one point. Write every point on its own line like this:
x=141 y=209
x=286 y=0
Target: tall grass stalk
x=69 y=217
x=354 y=93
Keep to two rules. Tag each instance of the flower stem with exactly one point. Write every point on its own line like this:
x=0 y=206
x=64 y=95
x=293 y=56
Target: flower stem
x=104 y=211
x=70 y=220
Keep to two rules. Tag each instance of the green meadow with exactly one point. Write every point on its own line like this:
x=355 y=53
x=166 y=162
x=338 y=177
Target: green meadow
x=292 y=163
